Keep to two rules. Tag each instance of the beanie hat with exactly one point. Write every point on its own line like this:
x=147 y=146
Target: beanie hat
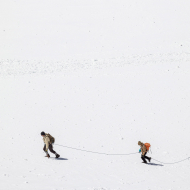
x=140 y=143
x=42 y=133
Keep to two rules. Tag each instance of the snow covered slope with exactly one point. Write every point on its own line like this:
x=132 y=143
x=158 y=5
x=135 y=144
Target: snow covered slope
x=98 y=75
x=106 y=109
x=59 y=29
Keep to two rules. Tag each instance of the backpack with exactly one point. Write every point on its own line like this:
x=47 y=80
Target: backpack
x=52 y=139
x=147 y=146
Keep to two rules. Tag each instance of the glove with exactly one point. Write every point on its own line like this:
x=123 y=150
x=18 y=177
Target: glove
x=139 y=150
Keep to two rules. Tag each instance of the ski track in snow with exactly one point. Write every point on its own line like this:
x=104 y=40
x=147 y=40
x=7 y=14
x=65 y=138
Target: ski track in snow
x=24 y=67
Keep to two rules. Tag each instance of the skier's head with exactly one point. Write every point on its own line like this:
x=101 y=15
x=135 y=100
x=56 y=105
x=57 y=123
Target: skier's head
x=43 y=133
x=140 y=143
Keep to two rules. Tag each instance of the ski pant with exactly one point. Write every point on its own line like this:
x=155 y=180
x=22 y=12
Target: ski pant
x=50 y=148
x=143 y=157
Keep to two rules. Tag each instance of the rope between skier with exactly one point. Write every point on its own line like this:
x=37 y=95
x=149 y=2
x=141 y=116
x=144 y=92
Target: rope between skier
x=119 y=154
x=96 y=152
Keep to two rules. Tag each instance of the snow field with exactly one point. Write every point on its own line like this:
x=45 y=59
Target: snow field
x=98 y=75
x=107 y=109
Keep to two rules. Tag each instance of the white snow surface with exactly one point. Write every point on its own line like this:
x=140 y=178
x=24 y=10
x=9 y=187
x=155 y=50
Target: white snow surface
x=98 y=76
x=59 y=29
x=105 y=109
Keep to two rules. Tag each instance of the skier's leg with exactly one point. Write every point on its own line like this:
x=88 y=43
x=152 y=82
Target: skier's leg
x=146 y=157
x=51 y=149
x=143 y=158
x=47 y=155
x=44 y=148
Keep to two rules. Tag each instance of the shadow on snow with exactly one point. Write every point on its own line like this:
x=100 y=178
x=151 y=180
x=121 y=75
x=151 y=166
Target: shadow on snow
x=153 y=164
x=60 y=158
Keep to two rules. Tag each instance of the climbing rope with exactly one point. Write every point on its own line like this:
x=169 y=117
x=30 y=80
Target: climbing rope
x=119 y=154
x=172 y=162
x=96 y=152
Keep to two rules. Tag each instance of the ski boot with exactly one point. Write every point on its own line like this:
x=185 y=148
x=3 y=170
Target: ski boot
x=47 y=156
